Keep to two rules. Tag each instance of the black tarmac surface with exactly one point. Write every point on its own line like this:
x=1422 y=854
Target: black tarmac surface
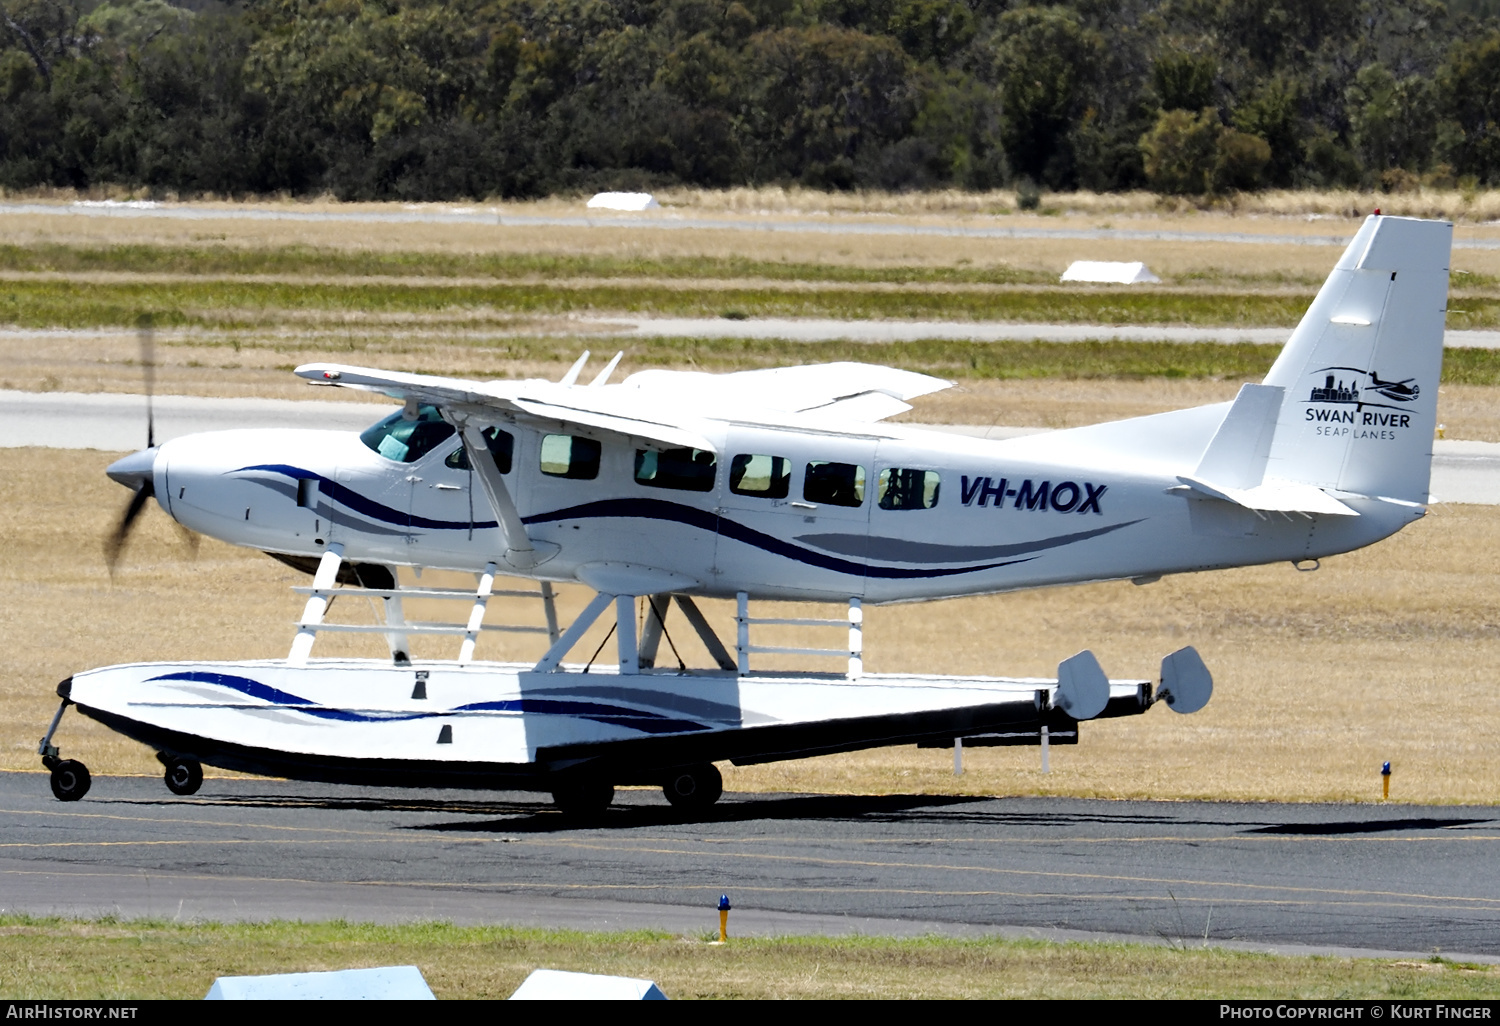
x=1329 y=877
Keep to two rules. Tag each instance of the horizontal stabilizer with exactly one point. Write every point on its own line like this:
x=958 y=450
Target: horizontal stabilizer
x=1273 y=497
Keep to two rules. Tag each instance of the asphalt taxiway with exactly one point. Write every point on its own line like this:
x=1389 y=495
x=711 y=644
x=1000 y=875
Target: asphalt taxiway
x=1291 y=877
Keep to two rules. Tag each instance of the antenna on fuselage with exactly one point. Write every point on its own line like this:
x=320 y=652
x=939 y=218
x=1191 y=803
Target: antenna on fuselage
x=603 y=376
x=571 y=377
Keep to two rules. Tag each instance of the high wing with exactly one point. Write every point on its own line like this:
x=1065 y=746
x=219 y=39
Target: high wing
x=668 y=408
x=598 y=408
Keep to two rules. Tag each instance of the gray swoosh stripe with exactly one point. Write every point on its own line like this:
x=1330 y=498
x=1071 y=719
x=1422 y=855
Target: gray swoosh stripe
x=899 y=550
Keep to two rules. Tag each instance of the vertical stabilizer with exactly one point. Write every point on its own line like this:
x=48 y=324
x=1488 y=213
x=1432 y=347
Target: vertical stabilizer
x=1361 y=371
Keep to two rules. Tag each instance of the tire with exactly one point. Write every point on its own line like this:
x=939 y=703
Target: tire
x=585 y=800
x=184 y=776
x=694 y=788
x=70 y=780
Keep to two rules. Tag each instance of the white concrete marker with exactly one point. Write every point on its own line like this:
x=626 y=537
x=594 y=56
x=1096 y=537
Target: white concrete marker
x=556 y=985
x=1109 y=272
x=388 y=983
x=624 y=201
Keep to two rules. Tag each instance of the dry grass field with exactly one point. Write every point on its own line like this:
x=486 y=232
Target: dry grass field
x=1384 y=654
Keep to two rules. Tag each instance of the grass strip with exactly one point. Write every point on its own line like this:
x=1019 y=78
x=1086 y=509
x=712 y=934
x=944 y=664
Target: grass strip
x=221 y=304
x=324 y=261
x=143 y=959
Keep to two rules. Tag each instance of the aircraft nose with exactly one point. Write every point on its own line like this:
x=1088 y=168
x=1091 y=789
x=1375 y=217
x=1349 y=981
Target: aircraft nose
x=134 y=470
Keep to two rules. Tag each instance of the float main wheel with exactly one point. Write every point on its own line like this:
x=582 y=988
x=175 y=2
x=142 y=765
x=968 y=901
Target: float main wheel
x=70 y=780
x=694 y=787
x=184 y=776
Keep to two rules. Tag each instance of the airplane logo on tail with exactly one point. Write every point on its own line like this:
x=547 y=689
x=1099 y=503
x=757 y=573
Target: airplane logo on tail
x=1335 y=390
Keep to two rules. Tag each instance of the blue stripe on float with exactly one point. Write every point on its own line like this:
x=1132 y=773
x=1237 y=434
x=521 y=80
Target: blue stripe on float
x=644 y=720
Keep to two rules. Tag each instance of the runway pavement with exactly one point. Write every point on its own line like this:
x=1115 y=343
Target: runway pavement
x=1289 y=877
x=667 y=220
x=1462 y=471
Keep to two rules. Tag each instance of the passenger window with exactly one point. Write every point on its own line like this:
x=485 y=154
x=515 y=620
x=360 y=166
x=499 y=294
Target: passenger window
x=768 y=477
x=570 y=456
x=836 y=484
x=407 y=441
x=689 y=470
x=907 y=489
x=502 y=445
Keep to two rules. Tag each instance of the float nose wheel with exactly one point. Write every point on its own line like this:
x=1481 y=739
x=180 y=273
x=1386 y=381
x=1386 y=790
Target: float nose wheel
x=70 y=780
x=183 y=776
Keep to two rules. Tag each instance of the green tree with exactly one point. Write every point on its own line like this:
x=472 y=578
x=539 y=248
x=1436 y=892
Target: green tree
x=1273 y=112
x=1043 y=59
x=1468 y=102
x=818 y=100
x=1180 y=150
x=1186 y=81
x=1391 y=120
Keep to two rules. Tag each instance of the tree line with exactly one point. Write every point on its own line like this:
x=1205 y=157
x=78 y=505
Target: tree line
x=439 y=99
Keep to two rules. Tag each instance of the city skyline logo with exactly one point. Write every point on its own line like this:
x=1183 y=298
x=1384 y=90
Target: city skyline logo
x=1357 y=390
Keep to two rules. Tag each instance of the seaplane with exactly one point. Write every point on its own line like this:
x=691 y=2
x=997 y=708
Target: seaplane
x=760 y=486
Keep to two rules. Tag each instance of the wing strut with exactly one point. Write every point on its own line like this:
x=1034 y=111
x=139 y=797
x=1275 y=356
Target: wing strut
x=521 y=552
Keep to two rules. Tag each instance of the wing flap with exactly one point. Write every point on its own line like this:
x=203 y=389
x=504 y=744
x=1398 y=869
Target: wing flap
x=812 y=388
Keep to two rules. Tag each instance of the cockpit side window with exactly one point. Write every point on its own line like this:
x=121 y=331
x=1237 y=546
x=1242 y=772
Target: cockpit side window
x=407 y=441
x=502 y=446
x=570 y=456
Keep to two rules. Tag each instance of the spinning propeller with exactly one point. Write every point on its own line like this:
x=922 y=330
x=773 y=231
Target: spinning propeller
x=136 y=471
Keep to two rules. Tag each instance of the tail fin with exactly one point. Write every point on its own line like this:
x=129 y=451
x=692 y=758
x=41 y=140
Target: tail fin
x=1360 y=373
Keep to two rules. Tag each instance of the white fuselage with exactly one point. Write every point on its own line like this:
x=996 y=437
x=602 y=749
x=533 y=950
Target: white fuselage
x=1058 y=508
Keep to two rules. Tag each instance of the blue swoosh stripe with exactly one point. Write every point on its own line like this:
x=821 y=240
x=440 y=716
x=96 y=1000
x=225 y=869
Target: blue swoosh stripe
x=640 y=719
x=647 y=509
x=365 y=505
x=643 y=720
x=658 y=509
x=277 y=697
